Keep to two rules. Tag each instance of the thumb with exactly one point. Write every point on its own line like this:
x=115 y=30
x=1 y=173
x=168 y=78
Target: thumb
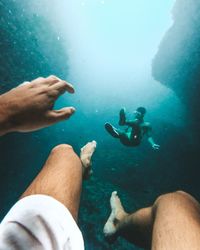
x=54 y=116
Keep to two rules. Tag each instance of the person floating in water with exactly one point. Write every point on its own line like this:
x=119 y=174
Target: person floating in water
x=135 y=131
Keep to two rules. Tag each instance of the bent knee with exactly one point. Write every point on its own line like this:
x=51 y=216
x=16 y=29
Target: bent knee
x=169 y=196
x=175 y=198
x=62 y=148
x=180 y=192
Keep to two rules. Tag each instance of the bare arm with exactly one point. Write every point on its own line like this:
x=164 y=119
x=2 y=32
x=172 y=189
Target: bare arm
x=29 y=106
x=150 y=138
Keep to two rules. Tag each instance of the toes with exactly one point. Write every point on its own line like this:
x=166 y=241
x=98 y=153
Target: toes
x=94 y=143
x=87 y=162
x=89 y=147
x=114 y=193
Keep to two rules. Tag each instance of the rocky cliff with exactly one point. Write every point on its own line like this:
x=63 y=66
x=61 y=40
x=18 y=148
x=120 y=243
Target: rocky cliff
x=177 y=62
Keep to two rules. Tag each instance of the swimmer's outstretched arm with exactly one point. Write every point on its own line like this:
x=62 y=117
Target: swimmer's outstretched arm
x=151 y=140
x=153 y=144
x=29 y=106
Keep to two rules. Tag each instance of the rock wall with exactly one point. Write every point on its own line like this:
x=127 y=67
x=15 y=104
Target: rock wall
x=177 y=62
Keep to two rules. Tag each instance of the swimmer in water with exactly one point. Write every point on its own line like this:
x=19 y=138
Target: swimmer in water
x=135 y=131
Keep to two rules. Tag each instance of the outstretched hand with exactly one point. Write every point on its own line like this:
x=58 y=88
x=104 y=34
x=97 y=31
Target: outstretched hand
x=156 y=146
x=29 y=106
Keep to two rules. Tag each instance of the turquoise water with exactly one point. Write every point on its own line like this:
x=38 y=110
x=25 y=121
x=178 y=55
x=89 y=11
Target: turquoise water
x=109 y=70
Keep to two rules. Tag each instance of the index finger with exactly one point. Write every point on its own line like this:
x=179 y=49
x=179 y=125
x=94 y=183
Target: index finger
x=62 y=86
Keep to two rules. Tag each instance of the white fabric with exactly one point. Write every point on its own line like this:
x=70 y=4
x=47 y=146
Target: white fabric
x=39 y=222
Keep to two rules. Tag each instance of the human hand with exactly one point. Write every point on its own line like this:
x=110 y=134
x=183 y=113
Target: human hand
x=29 y=106
x=156 y=146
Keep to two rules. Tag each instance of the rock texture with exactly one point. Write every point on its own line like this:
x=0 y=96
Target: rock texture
x=177 y=62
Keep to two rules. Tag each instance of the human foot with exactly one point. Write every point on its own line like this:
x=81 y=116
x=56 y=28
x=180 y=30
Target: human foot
x=111 y=130
x=85 y=156
x=117 y=214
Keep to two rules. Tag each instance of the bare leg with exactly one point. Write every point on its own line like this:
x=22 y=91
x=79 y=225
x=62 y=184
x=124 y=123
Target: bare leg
x=134 y=227
x=177 y=222
x=122 y=117
x=61 y=177
x=173 y=222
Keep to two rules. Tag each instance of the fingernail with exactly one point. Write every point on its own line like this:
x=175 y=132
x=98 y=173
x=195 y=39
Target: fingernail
x=72 y=109
x=72 y=87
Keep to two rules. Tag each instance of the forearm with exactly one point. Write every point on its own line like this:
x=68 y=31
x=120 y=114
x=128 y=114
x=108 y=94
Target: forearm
x=5 y=124
x=151 y=141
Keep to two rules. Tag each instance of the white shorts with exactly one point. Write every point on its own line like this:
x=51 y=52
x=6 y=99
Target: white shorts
x=39 y=222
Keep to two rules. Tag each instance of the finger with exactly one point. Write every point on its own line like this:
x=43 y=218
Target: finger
x=62 y=86
x=38 y=80
x=52 y=80
x=23 y=84
x=54 y=77
x=54 y=116
x=45 y=81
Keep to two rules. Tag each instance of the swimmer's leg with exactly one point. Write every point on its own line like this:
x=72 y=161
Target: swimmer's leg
x=122 y=117
x=173 y=222
x=112 y=130
x=62 y=174
x=118 y=133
